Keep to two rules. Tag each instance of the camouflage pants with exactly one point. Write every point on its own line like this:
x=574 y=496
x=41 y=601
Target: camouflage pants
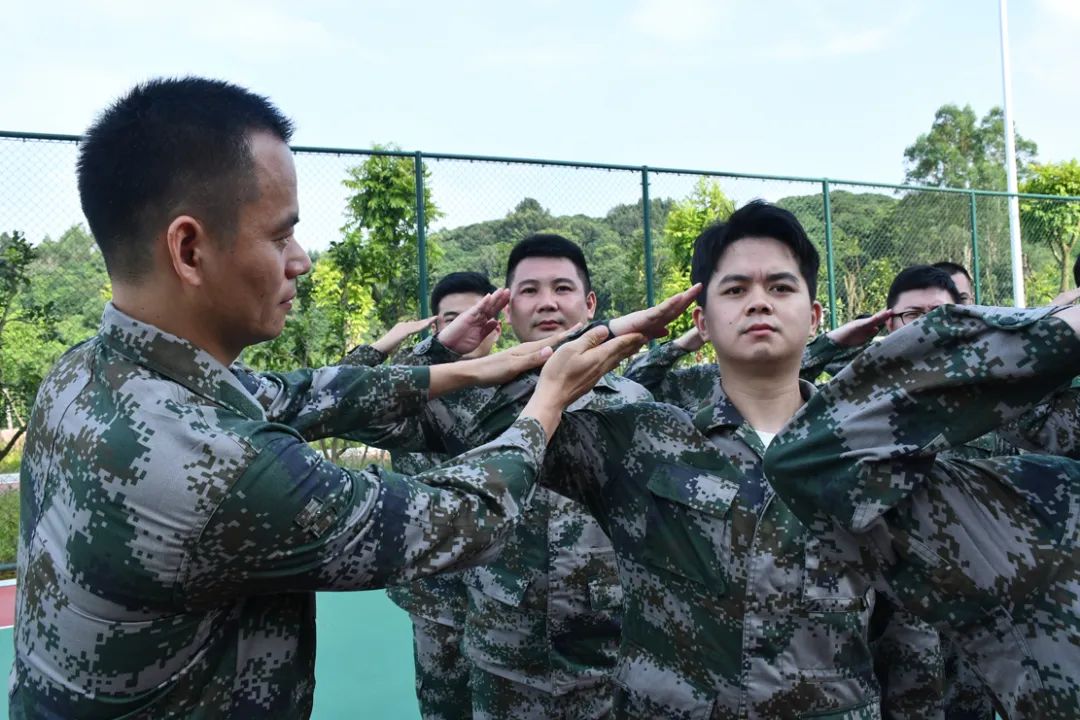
x=442 y=671
x=498 y=698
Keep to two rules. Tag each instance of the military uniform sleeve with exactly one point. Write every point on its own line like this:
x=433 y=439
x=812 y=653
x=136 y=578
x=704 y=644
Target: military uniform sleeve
x=947 y=539
x=364 y=355
x=1051 y=427
x=685 y=388
x=294 y=522
x=337 y=399
x=822 y=354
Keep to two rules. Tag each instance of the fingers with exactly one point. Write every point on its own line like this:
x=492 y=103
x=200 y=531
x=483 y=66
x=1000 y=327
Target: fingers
x=623 y=347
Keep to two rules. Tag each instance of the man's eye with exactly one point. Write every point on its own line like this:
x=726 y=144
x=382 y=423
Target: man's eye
x=735 y=290
x=526 y=291
x=783 y=288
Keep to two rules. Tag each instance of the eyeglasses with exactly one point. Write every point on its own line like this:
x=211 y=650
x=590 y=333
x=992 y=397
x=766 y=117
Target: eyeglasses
x=910 y=316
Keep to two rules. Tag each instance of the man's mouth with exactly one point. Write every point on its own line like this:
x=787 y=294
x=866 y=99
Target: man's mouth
x=549 y=324
x=759 y=329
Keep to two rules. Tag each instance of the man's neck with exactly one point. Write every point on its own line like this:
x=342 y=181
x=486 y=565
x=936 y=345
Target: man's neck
x=156 y=309
x=765 y=400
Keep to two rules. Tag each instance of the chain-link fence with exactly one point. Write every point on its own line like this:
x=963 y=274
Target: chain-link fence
x=445 y=213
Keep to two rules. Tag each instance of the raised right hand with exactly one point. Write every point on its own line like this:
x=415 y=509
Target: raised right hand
x=574 y=369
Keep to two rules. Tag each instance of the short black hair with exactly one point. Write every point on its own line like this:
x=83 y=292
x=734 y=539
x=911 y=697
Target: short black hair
x=460 y=282
x=169 y=145
x=921 y=277
x=953 y=269
x=549 y=245
x=755 y=219
x=1076 y=271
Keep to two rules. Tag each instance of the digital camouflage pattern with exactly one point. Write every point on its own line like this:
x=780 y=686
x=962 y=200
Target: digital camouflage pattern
x=442 y=670
x=175 y=524
x=732 y=610
x=907 y=652
x=691 y=386
x=984 y=550
x=1052 y=426
x=546 y=614
x=436 y=604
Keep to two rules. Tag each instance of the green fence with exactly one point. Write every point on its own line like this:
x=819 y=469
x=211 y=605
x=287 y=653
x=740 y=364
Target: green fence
x=411 y=217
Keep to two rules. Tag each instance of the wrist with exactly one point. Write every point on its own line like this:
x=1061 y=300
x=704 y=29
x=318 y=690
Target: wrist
x=545 y=410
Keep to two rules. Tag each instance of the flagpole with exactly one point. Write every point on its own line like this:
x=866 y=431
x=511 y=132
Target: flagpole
x=1010 y=163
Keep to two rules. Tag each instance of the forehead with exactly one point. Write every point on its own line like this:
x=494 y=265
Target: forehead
x=457 y=302
x=923 y=298
x=961 y=280
x=756 y=256
x=545 y=269
x=274 y=171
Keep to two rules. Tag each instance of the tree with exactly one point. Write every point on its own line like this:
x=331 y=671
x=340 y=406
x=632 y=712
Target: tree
x=379 y=240
x=963 y=152
x=16 y=255
x=705 y=205
x=1055 y=224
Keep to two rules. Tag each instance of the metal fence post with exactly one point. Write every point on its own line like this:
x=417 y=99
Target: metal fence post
x=830 y=269
x=646 y=218
x=975 y=250
x=421 y=235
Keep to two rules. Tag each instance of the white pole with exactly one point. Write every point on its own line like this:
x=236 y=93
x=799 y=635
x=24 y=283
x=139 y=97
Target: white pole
x=1010 y=164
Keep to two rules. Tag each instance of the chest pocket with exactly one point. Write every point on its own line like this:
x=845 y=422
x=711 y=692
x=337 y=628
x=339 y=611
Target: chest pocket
x=688 y=526
x=828 y=586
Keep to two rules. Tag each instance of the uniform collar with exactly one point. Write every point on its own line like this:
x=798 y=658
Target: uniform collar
x=178 y=359
x=721 y=414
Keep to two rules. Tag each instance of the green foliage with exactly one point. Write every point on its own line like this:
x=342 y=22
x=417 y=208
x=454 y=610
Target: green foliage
x=613 y=245
x=9 y=525
x=961 y=151
x=1049 y=222
x=687 y=218
x=51 y=297
x=378 y=249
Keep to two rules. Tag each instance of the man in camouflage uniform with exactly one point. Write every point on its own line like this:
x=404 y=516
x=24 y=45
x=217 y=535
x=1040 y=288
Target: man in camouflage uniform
x=543 y=621
x=436 y=604
x=174 y=522
x=731 y=608
x=907 y=654
x=985 y=550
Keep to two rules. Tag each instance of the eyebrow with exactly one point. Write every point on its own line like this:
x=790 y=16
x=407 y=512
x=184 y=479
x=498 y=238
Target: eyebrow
x=771 y=277
x=554 y=281
x=286 y=224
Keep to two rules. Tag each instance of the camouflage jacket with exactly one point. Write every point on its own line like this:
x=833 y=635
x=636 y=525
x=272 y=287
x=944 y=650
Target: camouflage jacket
x=1052 y=426
x=907 y=652
x=730 y=610
x=442 y=597
x=985 y=550
x=547 y=612
x=691 y=386
x=174 y=525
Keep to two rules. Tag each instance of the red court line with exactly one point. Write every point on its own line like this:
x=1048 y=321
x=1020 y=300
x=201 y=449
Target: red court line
x=7 y=606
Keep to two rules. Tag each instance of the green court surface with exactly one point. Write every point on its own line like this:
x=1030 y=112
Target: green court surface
x=363 y=667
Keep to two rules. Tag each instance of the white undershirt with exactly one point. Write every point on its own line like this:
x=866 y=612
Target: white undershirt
x=766 y=437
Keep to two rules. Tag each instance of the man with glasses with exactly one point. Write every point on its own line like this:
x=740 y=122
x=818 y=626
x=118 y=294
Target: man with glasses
x=917 y=290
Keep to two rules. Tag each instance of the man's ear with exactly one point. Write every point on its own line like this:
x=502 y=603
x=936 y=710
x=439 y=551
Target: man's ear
x=815 y=318
x=700 y=323
x=185 y=243
x=590 y=304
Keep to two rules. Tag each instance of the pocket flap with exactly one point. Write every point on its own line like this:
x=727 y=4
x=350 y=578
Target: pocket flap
x=699 y=489
x=497 y=583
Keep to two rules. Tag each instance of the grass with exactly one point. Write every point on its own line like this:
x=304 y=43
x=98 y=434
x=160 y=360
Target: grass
x=11 y=461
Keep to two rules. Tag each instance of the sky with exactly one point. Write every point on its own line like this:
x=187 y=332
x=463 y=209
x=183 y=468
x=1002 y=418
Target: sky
x=834 y=88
